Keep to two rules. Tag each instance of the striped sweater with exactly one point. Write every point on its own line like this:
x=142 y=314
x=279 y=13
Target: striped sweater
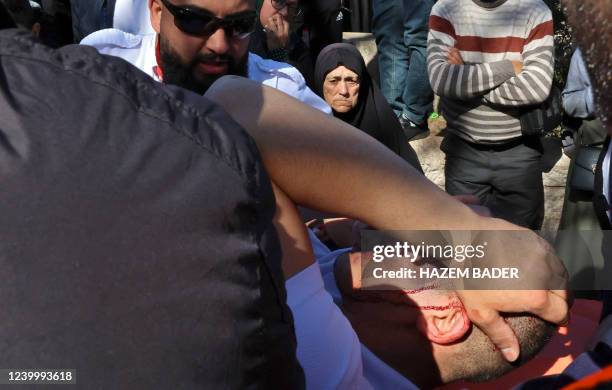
x=480 y=99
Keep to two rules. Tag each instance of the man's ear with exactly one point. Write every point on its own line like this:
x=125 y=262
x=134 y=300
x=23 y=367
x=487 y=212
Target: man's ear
x=444 y=325
x=155 y=10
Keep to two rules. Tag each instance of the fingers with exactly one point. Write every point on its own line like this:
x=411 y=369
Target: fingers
x=277 y=31
x=284 y=27
x=498 y=330
x=453 y=60
x=283 y=30
x=551 y=306
x=454 y=56
x=271 y=26
x=518 y=67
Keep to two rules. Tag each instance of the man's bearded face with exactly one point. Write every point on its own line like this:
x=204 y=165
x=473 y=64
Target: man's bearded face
x=191 y=74
x=195 y=62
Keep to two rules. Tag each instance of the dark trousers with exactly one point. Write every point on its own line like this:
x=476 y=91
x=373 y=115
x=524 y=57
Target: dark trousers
x=507 y=178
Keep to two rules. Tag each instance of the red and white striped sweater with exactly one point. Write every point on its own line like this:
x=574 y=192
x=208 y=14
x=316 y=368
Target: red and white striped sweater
x=480 y=99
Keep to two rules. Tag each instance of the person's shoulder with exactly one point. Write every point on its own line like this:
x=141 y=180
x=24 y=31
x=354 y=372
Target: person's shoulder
x=536 y=5
x=447 y=5
x=537 y=8
x=446 y=8
x=285 y=78
x=261 y=69
x=539 y=15
x=115 y=38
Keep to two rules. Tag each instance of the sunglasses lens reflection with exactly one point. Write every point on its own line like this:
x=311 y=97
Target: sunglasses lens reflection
x=201 y=25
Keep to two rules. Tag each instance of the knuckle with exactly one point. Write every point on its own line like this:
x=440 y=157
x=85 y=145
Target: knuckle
x=489 y=320
x=483 y=317
x=538 y=300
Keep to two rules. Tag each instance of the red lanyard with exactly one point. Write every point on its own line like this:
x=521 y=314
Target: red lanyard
x=158 y=69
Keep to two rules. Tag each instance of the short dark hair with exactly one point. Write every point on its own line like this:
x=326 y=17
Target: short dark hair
x=480 y=361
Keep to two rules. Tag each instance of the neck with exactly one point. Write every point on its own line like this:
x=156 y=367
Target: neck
x=489 y=3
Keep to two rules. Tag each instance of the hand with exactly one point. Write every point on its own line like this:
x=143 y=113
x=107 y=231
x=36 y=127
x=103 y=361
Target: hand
x=483 y=307
x=530 y=253
x=533 y=255
x=518 y=67
x=277 y=32
x=454 y=56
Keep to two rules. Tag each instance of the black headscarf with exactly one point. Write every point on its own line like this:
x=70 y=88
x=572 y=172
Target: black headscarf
x=372 y=114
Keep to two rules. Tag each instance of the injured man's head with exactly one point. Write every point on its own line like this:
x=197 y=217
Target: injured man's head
x=426 y=335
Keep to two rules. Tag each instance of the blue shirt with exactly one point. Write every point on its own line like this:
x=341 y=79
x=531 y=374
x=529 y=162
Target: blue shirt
x=577 y=96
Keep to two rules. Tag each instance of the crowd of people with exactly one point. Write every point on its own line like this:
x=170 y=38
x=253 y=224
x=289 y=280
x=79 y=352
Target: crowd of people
x=155 y=237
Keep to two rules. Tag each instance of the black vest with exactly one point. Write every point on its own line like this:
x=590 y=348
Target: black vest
x=599 y=201
x=136 y=236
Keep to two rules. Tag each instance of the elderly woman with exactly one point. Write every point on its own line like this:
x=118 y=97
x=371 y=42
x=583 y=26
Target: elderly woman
x=341 y=78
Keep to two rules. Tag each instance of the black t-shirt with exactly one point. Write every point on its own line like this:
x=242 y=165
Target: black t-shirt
x=137 y=243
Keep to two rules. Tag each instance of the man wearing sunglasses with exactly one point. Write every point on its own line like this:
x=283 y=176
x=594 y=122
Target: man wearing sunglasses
x=199 y=41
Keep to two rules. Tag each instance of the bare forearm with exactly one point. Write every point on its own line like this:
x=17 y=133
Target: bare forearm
x=323 y=163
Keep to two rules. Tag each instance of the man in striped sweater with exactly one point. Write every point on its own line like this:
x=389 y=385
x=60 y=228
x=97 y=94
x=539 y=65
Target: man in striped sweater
x=487 y=59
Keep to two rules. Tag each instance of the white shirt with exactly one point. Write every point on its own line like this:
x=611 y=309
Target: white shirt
x=327 y=346
x=139 y=50
x=132 y=16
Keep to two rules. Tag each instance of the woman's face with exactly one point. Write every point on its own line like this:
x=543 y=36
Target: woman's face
x=277 y=9
x=341 y=89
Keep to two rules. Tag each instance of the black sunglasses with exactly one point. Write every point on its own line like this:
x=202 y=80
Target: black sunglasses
x=198 y=22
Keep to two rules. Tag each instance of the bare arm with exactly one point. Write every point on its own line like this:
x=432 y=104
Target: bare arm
x=292 y=234
x=323 y=163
